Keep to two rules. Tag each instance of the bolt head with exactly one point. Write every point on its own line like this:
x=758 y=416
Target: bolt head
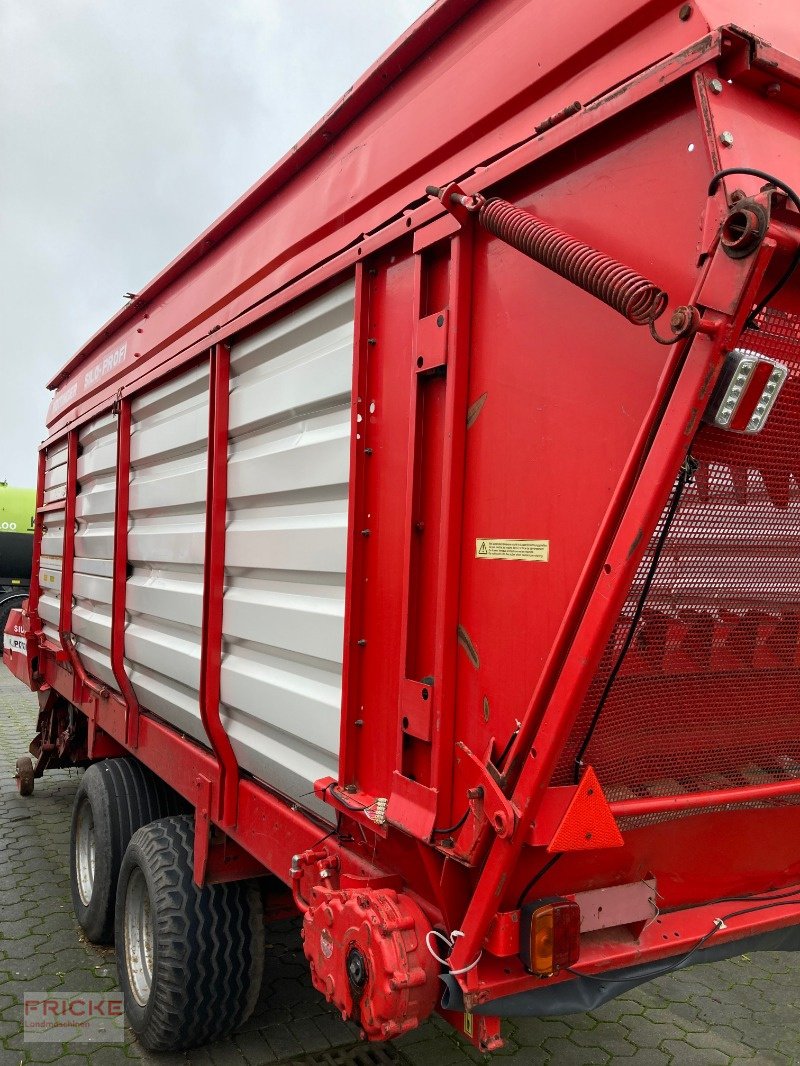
x=726 y=139
x=685 y=12
x=774 y=88
x=715 y=85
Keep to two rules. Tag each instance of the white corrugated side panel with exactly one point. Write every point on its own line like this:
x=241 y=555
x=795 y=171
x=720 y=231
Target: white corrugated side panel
x=286 y=545
x=52 y=549
x=166 y=547
x=55 y=474
x=94 y=546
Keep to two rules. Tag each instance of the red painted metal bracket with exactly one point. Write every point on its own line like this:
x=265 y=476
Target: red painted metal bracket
x=431 y=346
x=488 y=802
x=350 y=801
x=412 y=806
x=202 y=828
x=417 y=703
x=227 y=861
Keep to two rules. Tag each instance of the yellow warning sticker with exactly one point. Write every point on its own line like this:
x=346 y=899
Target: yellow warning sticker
x=531 y=551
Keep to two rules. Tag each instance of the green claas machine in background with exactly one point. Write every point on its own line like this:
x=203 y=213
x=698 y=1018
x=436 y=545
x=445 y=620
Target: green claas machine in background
x=17 y=510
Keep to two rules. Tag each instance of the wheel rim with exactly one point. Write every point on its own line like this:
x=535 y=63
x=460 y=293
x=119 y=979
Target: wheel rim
x=138 y=937
x=85 y=853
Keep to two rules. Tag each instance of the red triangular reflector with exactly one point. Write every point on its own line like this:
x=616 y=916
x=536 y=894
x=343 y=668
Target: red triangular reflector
x=588 y=823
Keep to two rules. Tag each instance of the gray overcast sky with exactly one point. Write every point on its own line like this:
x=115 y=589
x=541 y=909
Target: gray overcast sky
x=125 y=128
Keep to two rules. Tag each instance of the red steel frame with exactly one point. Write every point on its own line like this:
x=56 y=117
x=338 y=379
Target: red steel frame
x=262 y=824
x=646 y=484
x=185 y=764
x=213 y=585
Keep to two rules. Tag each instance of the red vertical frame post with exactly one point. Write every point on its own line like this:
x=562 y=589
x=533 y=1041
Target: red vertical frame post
x=120 y=572
x=33 y=593
x=420 y=686
x=453 y=472
x=434 y=504
x=214 y=585
x=356 y=545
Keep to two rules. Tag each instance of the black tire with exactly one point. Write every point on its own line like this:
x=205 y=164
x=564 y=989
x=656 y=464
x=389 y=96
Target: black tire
x=7 y=605
x=117 y=796
x=205 y=945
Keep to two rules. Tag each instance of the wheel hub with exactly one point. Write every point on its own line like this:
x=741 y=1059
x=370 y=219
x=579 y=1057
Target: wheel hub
x=139 y=937
x=356 y=970
x=85 y=853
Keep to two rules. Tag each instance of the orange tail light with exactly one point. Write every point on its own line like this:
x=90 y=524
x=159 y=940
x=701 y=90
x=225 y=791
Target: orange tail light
x=550 y=935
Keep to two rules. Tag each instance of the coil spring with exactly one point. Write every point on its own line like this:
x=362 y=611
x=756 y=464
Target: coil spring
x=634 y=297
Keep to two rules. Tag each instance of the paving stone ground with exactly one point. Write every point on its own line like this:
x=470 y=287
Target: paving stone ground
x=741 y=1011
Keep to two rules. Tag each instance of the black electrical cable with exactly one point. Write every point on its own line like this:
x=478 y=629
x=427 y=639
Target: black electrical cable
x=350 y=806
x=773 y=896
x=687 y=473
x=465 y=815
x=719 y=923
x=327 y=836
x=772 y=180
x=502 y=756
x=452 y=828
x=537 y=876
x=683 y=961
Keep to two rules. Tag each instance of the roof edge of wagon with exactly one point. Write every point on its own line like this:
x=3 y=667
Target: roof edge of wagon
x=428 y=28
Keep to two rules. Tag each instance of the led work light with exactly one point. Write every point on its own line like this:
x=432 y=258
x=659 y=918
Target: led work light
x=746 y=391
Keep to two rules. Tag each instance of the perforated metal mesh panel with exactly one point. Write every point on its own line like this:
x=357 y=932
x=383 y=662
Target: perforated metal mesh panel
x=708 y=696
